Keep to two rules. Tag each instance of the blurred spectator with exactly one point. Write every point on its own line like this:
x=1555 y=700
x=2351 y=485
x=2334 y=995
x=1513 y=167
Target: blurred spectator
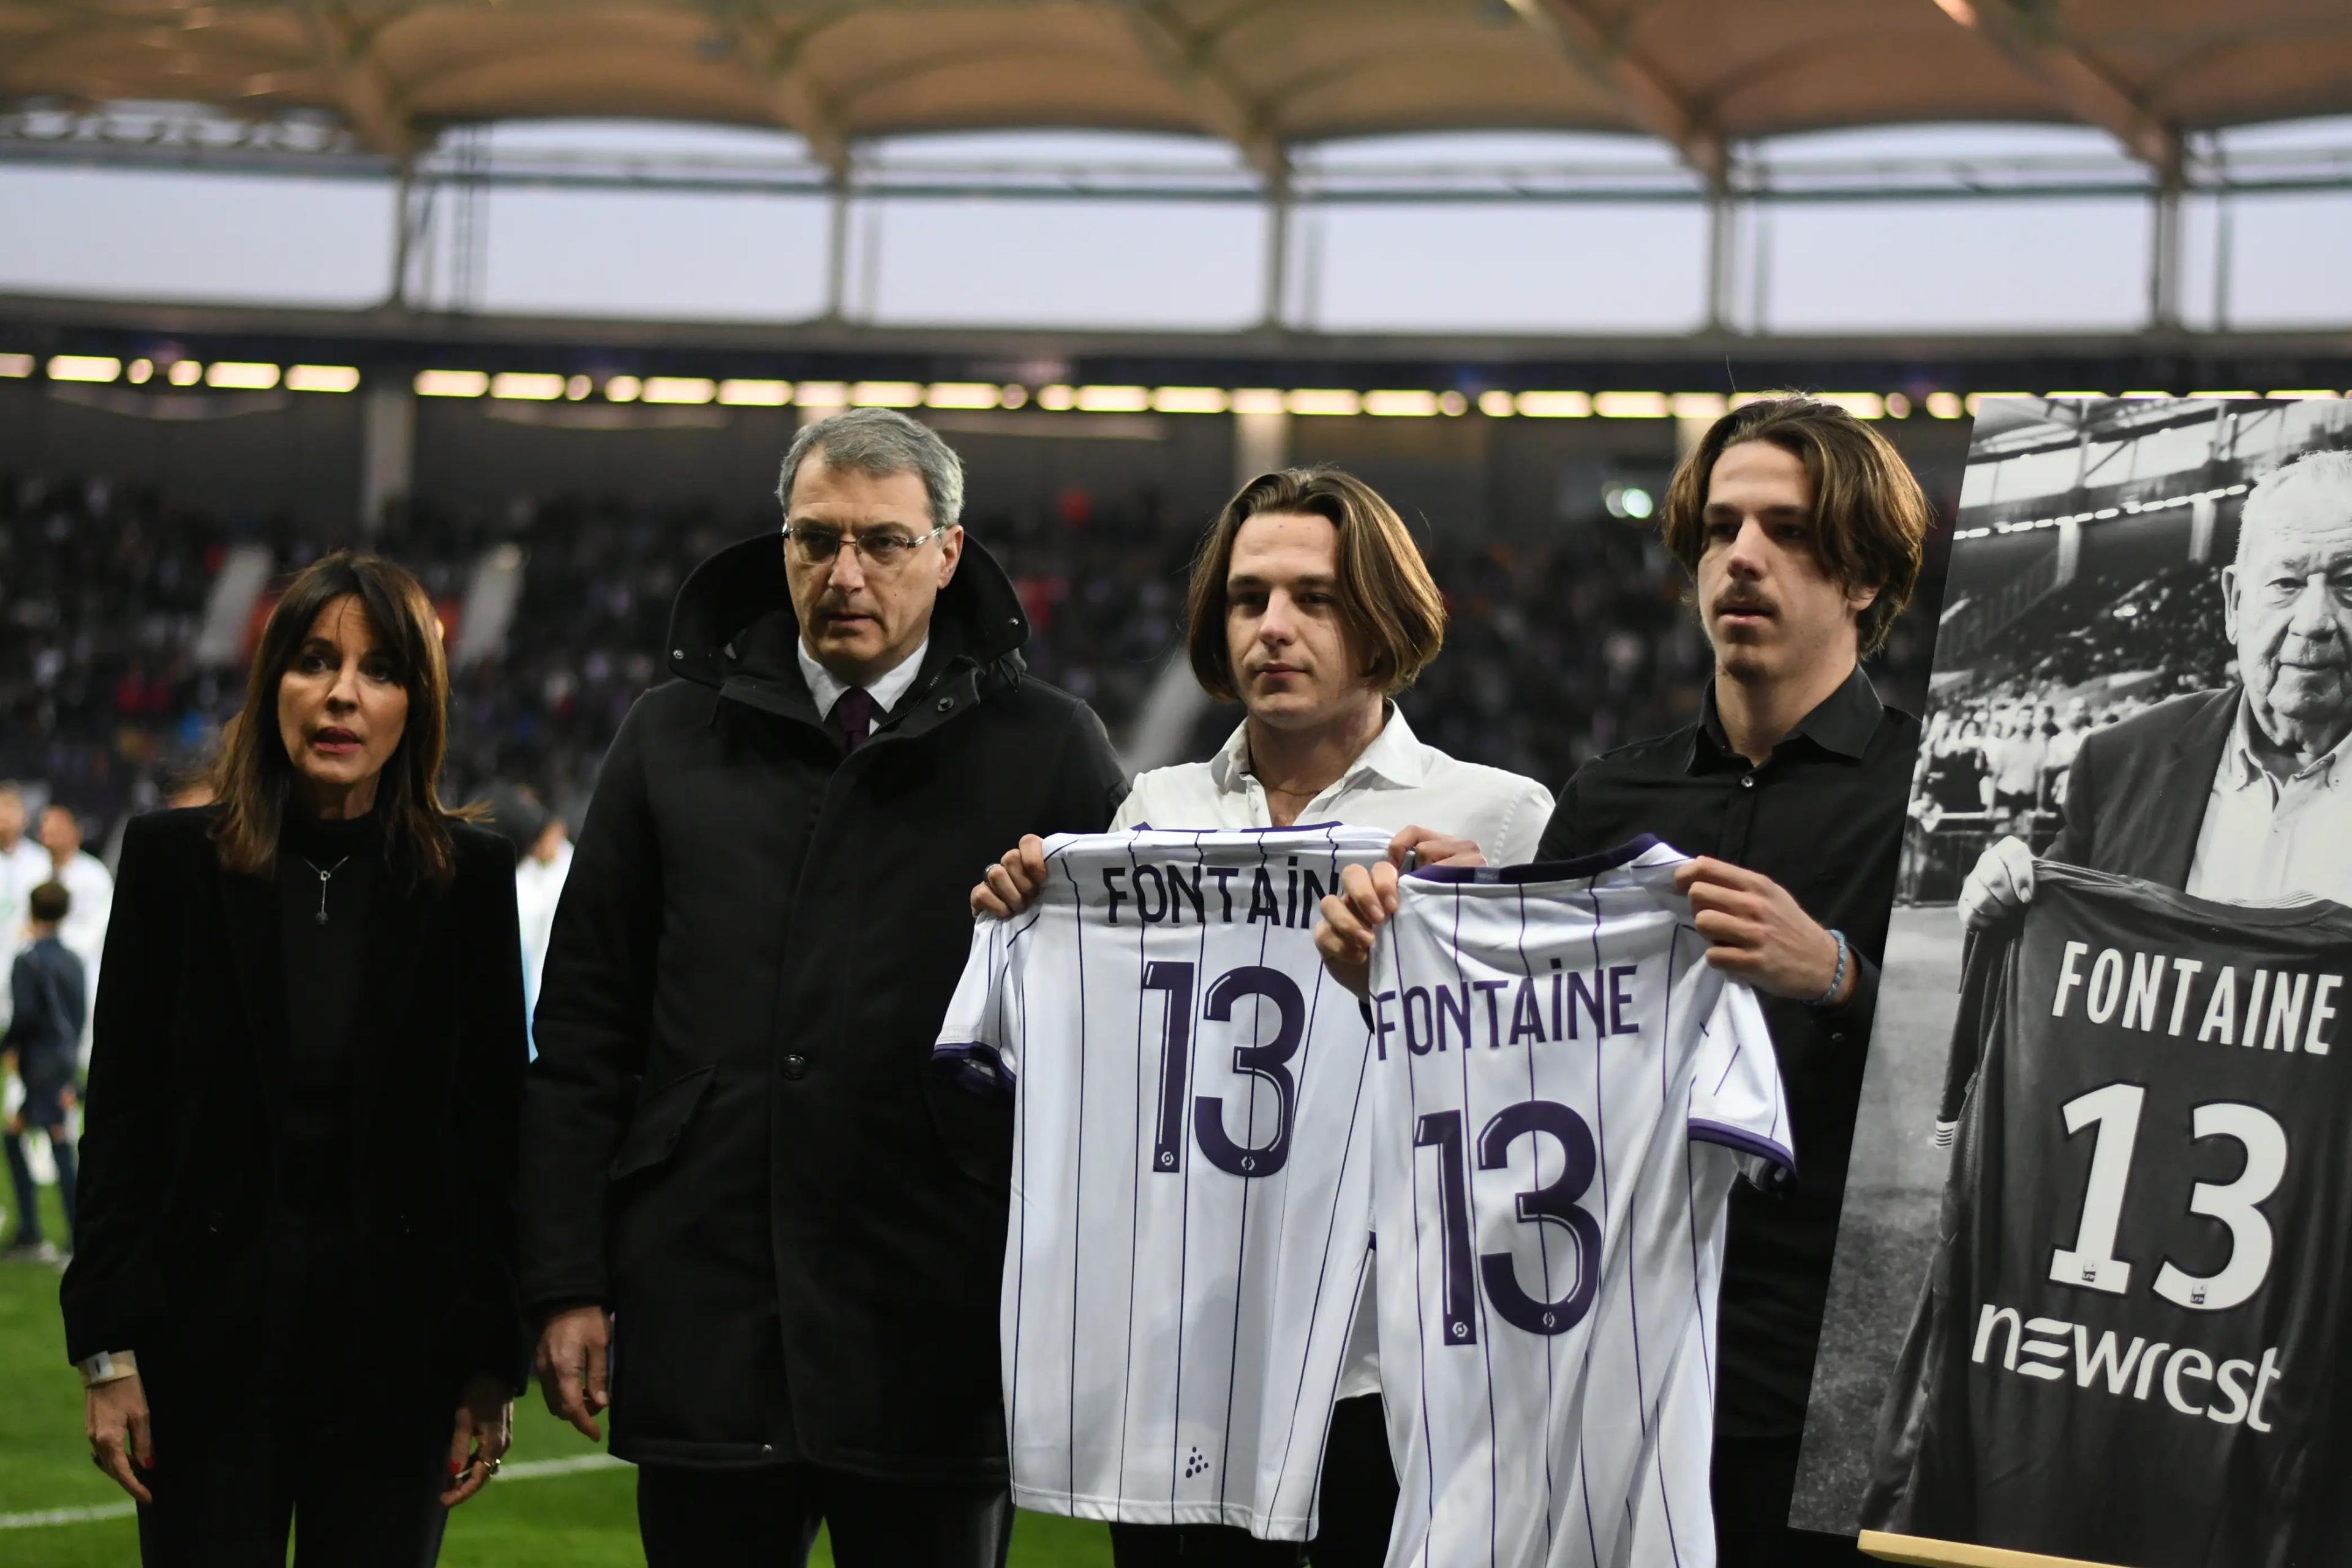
x=86 y=878
x=24 y=866
x=52 y=1008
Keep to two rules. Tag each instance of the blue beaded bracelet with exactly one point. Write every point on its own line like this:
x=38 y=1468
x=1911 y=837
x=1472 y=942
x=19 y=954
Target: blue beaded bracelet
x=1837 y=977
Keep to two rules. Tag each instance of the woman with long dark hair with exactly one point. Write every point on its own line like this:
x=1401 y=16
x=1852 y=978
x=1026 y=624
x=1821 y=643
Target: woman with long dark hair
x=292 y=1295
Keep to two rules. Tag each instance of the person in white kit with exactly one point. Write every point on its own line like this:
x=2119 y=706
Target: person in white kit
x=1562 y=1094
x=1189 y=1243
x=1312 y=605
x=84 y=876
x=24 y=866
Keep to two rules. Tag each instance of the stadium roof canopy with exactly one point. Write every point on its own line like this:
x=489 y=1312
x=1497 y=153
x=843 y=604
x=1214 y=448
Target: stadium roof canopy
x=1703 y=75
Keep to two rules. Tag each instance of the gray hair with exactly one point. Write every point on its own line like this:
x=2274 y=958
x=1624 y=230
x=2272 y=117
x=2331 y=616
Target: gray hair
x=2329 y=469
x=881 y=442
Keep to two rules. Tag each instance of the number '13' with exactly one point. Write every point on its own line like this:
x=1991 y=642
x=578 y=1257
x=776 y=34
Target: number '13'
x=1269 y=1062
x=1554 y=1202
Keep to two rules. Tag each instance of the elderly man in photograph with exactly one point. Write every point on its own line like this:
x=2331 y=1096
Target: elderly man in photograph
x=755 y=1224
x=1802 y=532
x=2240 y=794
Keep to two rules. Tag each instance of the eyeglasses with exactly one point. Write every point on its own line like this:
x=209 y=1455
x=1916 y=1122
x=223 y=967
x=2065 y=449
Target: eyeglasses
x=882 y=549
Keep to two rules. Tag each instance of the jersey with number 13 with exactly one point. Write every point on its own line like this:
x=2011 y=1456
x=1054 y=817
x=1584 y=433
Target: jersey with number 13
x=1188 y=1236
x=1563 y=1091
x=2131 y=1345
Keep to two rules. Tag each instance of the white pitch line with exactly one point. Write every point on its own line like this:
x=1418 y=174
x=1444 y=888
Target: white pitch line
x=529 y=1470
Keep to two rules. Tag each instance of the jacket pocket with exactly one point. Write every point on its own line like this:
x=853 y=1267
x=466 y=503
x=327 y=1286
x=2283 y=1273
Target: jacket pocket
x=660 y=1121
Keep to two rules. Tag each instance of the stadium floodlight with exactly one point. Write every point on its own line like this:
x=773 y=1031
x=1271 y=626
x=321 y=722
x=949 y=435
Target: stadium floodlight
x=1497 y=405
x=16 y=367
x=1946 y=406
x=887 y=395
x=141 y=370
x=1976 y=400
x=679 y=389
x=2242 y=391
x=1631 y=405
x=1700 y=405
x=527 y=386
x=2054 y=397
x=2304 y=394
x=622 y=388
x=244 y=375
x=1563 y=404
x=1257 y=400
x=452 y=383
x=185 y=373
x=1401 y=405
x=1324 y=402
x=1016 y=396
x=964 y=394
x=578 y=387
x=2150 y=397
x=84 y=367
x=1861 y=405
x=323 y=378
x=743 y=394
x=1057 y=397
x=1897 y=406
x=1452 y=404
x=1114 y=399
x=821 y=395
x=1190 y=399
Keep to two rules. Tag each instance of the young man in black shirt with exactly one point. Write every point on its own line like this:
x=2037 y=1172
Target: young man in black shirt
x=1802 y=531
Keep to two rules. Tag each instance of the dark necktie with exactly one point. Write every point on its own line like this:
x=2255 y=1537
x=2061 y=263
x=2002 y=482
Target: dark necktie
x=852 y=715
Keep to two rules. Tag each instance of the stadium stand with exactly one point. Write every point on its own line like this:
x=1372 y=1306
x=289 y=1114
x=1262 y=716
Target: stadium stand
x=1557 y=650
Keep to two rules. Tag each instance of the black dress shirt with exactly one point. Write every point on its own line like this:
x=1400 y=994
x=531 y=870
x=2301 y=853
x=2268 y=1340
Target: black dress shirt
x=324 y=962
x=1823 y=818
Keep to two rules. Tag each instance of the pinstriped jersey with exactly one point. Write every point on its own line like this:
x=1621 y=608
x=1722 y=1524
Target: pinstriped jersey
x=1188 y=1236
x=1562 y=1092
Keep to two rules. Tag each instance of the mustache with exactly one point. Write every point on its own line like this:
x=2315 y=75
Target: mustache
x=1738 y=600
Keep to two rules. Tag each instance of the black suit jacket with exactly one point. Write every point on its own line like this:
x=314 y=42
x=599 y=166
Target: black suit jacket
x=2136 y=795
x=186 y=1074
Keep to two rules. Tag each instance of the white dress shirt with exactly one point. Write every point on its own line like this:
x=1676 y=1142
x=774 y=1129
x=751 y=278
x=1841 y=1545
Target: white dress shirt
x=1396 y=782
x=825 y=687
x=2264 y=840
x=90 y=885
x=539 y=887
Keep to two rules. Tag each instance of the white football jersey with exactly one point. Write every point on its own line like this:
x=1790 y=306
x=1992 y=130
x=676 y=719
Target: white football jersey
x=1562 y=1092
x=1188 y=1236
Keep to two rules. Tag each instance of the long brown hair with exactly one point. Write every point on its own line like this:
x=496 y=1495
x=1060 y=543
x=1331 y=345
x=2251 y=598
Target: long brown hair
x=1870 y=515
x=254 y=777
x=1393 y=611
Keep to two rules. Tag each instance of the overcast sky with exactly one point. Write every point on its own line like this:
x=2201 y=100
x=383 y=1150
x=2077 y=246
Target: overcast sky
x=1960 y=265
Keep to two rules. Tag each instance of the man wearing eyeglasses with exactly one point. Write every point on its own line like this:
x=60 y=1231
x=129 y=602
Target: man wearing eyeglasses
x=755 y=1224
x=2240 y=794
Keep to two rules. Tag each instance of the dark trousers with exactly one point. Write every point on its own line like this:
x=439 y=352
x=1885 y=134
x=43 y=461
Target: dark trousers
x=1359 y=1496
x=769 y=1518
x=29 y=1196
x=1753 y=1479
x=48 y=1072
x=356 y=1493
x=1198 y=1546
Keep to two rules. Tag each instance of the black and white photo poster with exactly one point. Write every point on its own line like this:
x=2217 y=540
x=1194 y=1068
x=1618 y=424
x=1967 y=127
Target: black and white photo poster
x=2091 y=1277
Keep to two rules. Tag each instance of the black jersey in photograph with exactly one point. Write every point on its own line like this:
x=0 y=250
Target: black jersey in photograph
x=2127 y=1348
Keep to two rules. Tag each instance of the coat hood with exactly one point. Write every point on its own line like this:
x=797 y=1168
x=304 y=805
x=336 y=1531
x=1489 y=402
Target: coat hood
x=745 y=583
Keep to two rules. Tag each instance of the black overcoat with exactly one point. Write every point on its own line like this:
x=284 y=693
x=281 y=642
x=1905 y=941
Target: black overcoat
x=187 y=1071
x=734 y=1139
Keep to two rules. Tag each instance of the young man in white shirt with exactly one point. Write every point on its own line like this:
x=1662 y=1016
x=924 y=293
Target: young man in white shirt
x=1312 y=607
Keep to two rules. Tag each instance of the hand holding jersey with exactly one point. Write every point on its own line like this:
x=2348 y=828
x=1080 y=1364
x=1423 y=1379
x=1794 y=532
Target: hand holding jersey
x=1548 y=1344
x=1756 y=931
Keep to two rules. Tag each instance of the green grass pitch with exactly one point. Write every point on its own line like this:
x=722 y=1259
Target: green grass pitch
x=584 y=1520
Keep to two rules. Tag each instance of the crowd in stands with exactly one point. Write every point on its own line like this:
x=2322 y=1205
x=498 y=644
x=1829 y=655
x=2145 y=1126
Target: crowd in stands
x=2002 y=737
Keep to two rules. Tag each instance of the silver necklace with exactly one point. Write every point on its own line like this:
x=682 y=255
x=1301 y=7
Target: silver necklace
x=326 y=874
